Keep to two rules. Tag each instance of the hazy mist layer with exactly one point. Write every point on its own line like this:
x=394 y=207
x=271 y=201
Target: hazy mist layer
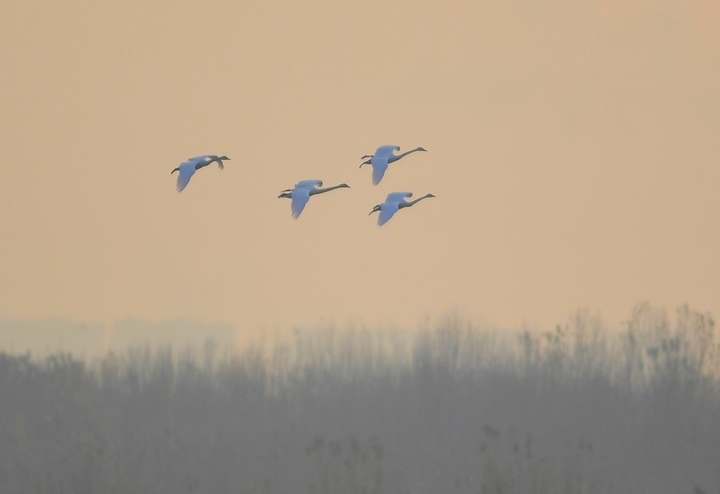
x=451 y=409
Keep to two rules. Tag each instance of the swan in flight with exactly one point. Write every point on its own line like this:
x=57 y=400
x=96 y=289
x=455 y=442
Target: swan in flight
x=300 y=194
x=384 y=155
x=394 y=202
x=188 y=168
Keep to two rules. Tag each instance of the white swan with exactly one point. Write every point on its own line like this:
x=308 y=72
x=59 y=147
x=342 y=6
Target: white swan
x=300 y=194
x=393 y=203
x=384 y=155
x=187 y=169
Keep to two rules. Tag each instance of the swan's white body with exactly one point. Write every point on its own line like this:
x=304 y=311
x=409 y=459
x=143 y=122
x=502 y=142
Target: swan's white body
x=300 y=194
x=187 y=169
x=393 y=203
x=384 y=155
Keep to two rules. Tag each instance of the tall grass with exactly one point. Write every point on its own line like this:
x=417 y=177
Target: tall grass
x=579 y=409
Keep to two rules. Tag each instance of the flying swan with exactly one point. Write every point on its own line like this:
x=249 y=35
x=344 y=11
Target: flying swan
x=384 y=155
x=394 y=202
x=187 y=169
x=300 y=194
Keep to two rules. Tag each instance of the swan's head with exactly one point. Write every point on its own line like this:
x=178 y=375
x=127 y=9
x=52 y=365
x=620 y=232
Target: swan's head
x=343 y=186
x=223 y=157
x=376 y=209
x=421 y=149
x=430 y=195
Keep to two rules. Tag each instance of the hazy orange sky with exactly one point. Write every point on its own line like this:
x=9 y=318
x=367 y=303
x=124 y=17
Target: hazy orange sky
x=574 y=149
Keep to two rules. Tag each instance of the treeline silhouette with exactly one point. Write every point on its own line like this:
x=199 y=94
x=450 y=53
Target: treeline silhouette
x=580 y=409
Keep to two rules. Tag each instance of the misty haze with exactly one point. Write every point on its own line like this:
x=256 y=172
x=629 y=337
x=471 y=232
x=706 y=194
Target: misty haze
x=449 y=408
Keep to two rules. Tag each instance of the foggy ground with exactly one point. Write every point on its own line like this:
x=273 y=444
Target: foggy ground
x=579 y=409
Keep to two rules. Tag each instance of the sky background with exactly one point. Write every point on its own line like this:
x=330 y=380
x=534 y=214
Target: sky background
x=573 y=148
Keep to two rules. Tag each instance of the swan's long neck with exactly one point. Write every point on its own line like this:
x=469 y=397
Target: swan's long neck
x=407 y=204
x=406 y=153
x=210 y=160
x=326 y=189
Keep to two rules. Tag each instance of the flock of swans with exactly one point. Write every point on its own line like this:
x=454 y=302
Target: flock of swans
x=299 y=195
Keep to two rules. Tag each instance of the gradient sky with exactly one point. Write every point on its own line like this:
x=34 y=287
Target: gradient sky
x=574 y=149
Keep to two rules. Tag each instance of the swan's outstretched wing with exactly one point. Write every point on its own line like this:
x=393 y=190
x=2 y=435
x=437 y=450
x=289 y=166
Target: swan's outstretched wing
x=308 y=184
x=202 y=157
x=300 y=197
x=200 y=161
x=386 y=150
x=379 y=165
x=185 y=172
x=388 y=209
x=206 y=159
x=397 y=196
